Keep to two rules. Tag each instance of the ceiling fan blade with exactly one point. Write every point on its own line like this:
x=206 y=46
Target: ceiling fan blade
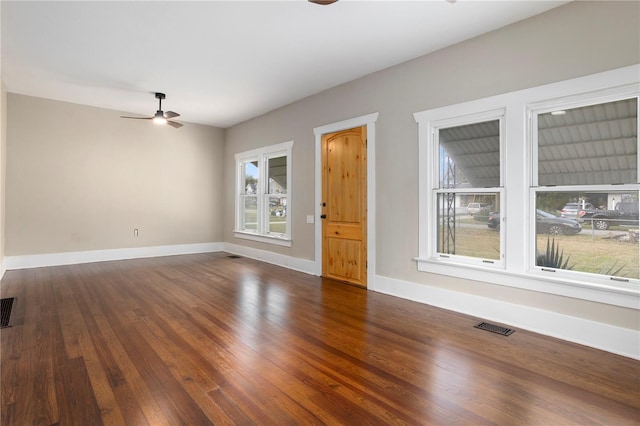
x=171 y=114
x=174 y=124
x=137 y=118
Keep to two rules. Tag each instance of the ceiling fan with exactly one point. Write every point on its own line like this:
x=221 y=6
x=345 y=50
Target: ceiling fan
x=160 y=117
x=323 y=2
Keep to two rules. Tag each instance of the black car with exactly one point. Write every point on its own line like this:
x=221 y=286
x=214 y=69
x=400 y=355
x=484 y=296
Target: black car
x=546 y=223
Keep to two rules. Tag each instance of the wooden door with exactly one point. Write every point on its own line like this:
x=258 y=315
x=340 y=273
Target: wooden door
x=344 y=205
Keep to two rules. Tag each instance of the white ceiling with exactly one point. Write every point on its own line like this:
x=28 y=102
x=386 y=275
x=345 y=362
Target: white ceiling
x=223 y=62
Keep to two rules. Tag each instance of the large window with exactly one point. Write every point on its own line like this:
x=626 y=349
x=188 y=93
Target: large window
x=263 y=196
x=536 y=189
x=467 y=188
x=586 y=169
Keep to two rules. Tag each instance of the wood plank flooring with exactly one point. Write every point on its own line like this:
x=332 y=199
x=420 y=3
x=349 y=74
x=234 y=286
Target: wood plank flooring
x=207 y=339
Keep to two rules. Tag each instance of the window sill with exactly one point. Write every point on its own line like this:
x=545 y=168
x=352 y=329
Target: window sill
x=628 y=296
x=268 y=239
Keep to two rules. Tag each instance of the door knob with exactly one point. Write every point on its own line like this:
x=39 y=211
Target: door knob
x=323 y=216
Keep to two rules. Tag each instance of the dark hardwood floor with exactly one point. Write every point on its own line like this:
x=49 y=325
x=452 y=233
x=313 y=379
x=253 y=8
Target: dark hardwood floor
x=207 y=339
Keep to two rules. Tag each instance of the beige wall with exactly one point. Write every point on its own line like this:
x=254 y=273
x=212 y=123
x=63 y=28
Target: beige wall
x=81 y=178
x=578 y=39
x=3 y=167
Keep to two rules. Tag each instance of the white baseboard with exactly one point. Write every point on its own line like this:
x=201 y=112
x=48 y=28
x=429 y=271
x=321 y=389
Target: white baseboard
x=618 y=340
x=70 y=258
x=297 y=264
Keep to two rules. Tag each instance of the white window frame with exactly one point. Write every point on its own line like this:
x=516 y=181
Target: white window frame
x=432 y=128
x=517 y=211
x=262 y=156
x=565 y=103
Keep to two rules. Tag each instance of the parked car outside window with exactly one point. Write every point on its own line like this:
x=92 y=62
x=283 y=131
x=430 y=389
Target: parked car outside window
x=576 y=210
x=546 y=223
x=624 y=214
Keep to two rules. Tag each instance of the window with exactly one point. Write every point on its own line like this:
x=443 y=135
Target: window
x=586 y=167
x=506 y=181
x=263 y=194
x=466 y=188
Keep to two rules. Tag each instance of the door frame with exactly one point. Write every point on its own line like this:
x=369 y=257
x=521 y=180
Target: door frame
x=368 y=120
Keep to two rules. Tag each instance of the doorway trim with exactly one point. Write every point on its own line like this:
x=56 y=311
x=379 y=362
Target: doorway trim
x=368 y=120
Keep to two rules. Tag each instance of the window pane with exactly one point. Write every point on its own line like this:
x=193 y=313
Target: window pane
x=469 y=155
x=466 y=226
x=595 y=232
x=277 y=173
x=250 y=212
x=277 y=215
x=251 y=177
x=592 y=145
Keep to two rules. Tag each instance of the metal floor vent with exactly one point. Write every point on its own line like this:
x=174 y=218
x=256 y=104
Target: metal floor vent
x=234 y=256
x=5 y=311
x=494 y=328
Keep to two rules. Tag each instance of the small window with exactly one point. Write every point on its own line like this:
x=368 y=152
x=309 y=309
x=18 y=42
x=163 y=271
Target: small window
x=277 y=195
x=249 y=204
x=263 y=200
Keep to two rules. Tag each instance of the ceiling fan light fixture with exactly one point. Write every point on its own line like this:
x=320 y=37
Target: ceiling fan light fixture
x=159 y=118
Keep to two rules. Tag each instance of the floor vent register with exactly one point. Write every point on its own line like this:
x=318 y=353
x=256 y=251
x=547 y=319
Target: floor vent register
x=7 y=307
x=494 y=328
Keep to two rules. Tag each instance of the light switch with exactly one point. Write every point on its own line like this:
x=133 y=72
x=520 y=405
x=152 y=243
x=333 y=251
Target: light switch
x=310 y=218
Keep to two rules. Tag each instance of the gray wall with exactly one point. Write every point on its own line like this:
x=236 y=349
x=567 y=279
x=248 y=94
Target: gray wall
x=81 y=178
x=578 y=39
